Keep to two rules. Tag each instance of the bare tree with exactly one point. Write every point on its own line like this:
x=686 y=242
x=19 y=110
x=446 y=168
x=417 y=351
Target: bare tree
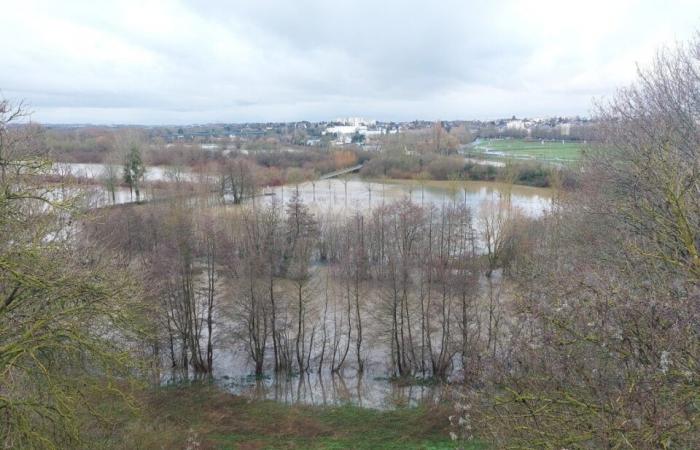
x=301 y=233
x=237 y=180
x=606 y=344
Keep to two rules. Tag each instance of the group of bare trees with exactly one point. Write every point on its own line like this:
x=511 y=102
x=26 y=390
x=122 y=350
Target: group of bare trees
x=237 y=180
x=605 y=335
x=300 y=291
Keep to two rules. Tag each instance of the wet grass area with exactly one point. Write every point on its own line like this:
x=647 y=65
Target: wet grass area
x=203 y=417
x=539 y=150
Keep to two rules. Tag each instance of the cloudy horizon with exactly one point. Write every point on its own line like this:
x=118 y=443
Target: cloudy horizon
x=185 y=62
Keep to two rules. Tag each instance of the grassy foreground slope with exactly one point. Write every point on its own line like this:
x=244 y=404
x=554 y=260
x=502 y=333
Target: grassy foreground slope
x=202 y=417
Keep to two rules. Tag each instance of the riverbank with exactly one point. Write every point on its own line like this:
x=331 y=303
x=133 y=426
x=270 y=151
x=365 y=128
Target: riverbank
x=203 y=417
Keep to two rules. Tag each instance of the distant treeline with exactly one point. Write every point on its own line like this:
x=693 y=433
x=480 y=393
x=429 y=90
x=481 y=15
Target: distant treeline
x=427 y=153
x=574 y=132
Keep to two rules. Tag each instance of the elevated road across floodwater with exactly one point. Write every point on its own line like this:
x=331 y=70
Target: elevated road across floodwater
x=340 y=172
x=326 y=176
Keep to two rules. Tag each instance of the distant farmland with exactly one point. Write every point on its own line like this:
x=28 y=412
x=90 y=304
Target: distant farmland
x=546 y=151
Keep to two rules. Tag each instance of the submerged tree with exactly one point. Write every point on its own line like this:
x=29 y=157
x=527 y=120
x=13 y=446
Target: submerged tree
x=301 y=232
x=237 y=180
x=134 y=171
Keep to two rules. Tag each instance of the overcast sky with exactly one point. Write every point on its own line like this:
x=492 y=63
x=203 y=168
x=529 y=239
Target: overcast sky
x=181 y=62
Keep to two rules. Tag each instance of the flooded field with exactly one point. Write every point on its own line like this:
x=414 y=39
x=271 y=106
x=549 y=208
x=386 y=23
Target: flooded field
x=233 y=368
x=355 y=194
x=326 y=388
x=98 y=171
x=374 y=388
x=341 y=194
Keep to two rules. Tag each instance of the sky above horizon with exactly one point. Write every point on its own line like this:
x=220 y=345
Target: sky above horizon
x=184 y=62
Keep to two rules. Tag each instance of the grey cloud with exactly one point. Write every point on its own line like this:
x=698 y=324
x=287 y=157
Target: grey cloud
x=194 y=61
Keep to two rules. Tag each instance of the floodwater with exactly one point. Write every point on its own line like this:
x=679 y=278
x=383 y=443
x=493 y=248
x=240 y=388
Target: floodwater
x=326 y=388
x=232 y=369
x=356 y=194
x=96 y=194
x=98 y=171
x=373 y=389
x=344 y=195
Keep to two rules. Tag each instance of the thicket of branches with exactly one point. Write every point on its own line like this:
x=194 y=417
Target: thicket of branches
x=300 y=292
x=67 y=312
x=606 y=341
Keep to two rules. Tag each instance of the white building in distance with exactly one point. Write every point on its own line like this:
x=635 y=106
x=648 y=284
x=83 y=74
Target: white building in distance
x=515 y=125
x=351 y=126
x=356 y=121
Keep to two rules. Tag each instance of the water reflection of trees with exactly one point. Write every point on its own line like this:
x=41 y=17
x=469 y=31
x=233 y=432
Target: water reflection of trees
x=334 y=389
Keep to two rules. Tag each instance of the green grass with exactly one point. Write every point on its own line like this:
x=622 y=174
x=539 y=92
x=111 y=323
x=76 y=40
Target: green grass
x=349 y=427
x=217 y=420
x=557 y=151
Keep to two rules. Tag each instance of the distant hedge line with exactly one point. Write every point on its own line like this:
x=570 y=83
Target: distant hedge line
x=435 y=167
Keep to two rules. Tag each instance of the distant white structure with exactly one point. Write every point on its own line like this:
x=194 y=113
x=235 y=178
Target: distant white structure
x=515 y=125
x=565 y=129
x=351 y=126
x=345 y=129
x=356 y=121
